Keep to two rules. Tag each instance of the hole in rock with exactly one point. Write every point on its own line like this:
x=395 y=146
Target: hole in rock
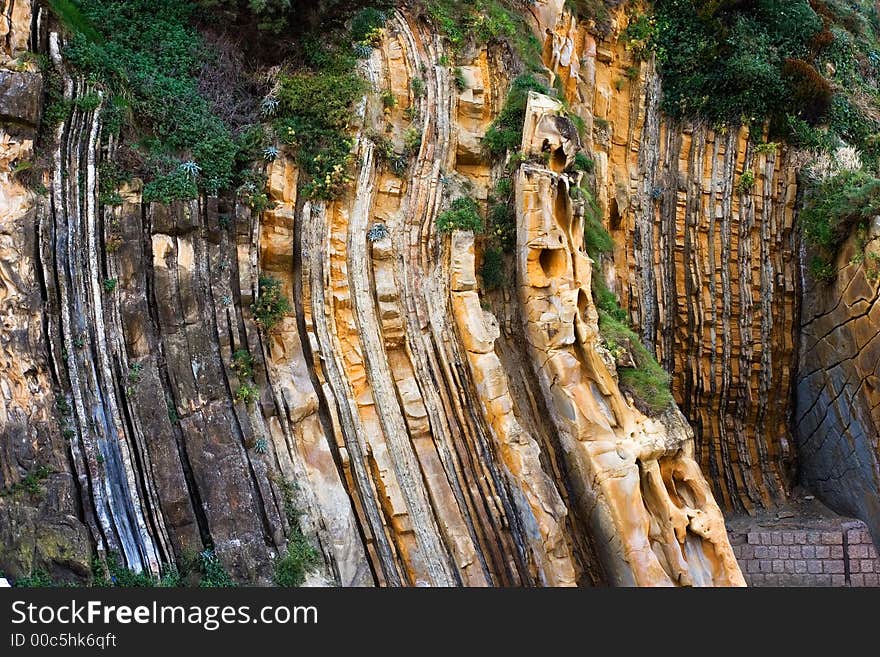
x=613 y=214
x=553 y=262
x=558 y=160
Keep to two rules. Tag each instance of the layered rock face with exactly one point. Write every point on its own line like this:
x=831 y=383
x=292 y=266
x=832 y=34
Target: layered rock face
x=47 y=529
x=836 y=407
x=705 y=264
x=425 y=432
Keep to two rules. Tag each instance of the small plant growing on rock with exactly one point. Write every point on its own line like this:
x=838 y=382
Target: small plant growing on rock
x=766 y=147
x=389 y=100
x=459 y=79
x=243 y=364
x=412 y=140
x=378 y=231
x=247 y=393
x=270 y=153
x=291 y=568
x=492 y=270
x=190 y=168
x=261 y=446
x=418 y=87
x=110 y=285
x=271 y=304
x=269 y=106
x=583 y=163
x=746 y=181
x=134 y=372
x=463 y=214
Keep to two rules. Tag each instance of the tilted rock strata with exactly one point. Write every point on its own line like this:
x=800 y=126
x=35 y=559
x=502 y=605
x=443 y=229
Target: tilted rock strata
x=649 y=504
x=706 y=268
x=407 y=427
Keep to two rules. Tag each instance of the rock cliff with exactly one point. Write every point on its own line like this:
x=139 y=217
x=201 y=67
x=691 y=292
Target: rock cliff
x=400 y=421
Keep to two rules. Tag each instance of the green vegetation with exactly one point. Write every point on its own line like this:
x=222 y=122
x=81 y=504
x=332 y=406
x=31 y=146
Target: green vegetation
x=647 y=382
x=746 y=182
x=271 y=304
x=485 y=21
x=502 y=216
x=583 y=163
x=146 y=56
x=211 y=571
x=314 y=118
x=38 y=579
x=810 y=68
x=492 y=269
x=243 y=364
x=832 y=208
x=291 y=568
x=463 y=214
x=505 y=133
x=110 y=285
x=726 y=60
x=247 y=393
x=32 y=483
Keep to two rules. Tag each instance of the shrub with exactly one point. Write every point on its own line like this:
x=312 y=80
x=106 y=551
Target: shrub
x=247 y=393
x=583 y=163
x=746 y=182
x=38 y=579
x=147 y=57
x=365 y=24
x=109 y=285
x=291 y=568
x=834 y=206
x=485 y=21
x=492 y=270
x=213 y=575
x=243 y=364
x=724 y=60
x=809 y=90
x=271 y=304
x=314 y=113
x=463 y=214
x=505 y=133
x=418 y=87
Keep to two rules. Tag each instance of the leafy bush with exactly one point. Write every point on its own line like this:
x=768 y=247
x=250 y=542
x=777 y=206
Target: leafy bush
x=247 y=393
x=271 y=304
x=147 y=56
x=314 y=117
x=834 y=206
x=291 y=568
x=485 y=21
x=583 y=163
x=38 y=579
x=492 y=270
x=213 y=575
x=463 y=214
x=724 y=60
x=243 y=364
x=746 y=182
x=365 y=24
x=505 y=133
